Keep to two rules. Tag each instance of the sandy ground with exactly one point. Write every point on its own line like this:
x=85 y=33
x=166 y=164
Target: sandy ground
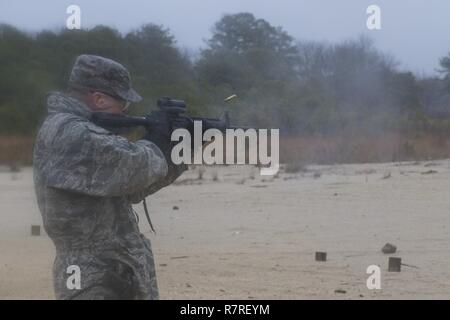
x=244 y=238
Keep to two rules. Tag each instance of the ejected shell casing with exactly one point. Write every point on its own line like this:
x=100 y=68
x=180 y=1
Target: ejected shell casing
x=230 y=98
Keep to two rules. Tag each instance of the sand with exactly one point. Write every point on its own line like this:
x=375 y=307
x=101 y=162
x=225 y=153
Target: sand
x=244 y=238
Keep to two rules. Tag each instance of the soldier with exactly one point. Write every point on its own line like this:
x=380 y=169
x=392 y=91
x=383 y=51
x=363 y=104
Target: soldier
x=86 y=179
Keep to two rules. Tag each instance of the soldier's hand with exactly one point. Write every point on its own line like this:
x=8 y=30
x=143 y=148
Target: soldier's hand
x=162 y=141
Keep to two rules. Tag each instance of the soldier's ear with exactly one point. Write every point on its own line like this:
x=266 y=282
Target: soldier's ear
x=98 y=99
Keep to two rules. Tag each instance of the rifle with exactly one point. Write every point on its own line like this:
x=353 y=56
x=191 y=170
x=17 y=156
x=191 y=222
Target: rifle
x=169 y=110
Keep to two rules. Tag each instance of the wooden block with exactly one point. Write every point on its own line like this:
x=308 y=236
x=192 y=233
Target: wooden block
x=321 y=256
x=394 y=264
x=35 y=230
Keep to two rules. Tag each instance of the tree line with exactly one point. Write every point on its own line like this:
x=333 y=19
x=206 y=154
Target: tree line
x=297 y=86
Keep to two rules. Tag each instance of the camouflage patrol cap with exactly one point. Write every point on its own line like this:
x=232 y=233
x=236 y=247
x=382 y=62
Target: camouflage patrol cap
x=102 y=74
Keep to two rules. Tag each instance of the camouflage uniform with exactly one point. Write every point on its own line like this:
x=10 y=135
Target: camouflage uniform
x=86 y=179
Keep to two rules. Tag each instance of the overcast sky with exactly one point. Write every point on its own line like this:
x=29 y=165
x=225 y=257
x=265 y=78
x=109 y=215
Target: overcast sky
x=416 y=32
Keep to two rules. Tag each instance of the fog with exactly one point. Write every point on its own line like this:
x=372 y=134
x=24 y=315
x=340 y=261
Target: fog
x=414 y=31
